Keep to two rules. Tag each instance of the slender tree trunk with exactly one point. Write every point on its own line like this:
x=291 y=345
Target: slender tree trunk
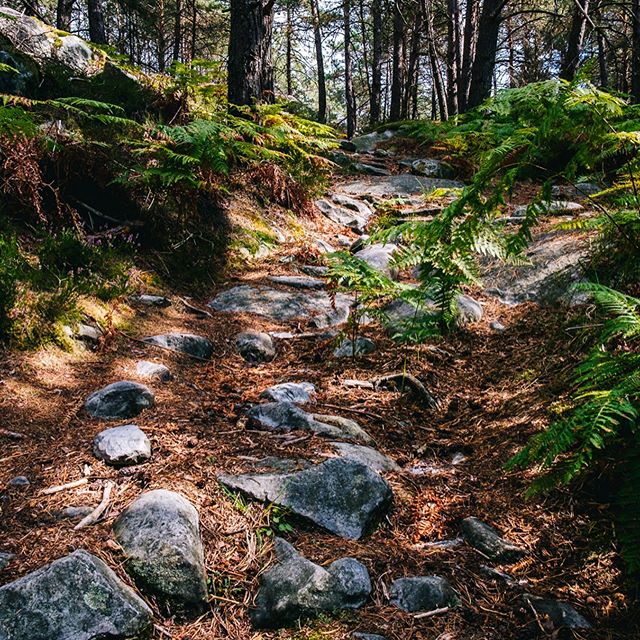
x=571 y=58
x=63 y=15
x=97 y=31
x=468 y=52
x=438 y=84
x=397 y=80
x=635 y=52
x=412 y=68
x=322 y=83
x=512 y=62
x=365 y=47
x=289 y=52
x=161 y=44
x=250 y=74
x=376 y=63
x=348 y=73
x=602 y=61
x=453 y=55
x=486 y=47
x=194 y=29
x=177 y=31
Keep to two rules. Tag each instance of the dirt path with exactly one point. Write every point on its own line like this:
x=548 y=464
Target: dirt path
x=494 y=389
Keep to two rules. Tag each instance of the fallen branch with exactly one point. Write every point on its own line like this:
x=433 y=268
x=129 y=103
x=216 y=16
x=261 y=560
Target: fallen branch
x=14 y=435
x=63 y=487
x=428 y=614
x=99 y=510
x=196 y=310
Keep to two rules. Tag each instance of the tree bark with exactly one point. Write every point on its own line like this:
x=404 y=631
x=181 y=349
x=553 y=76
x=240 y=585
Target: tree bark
x=289 y=52
x=468 y=52
x=410 y=90
x=97 y=31
x=575 y=40
x=433 y=60
x=453 y=55
x=486 y=47
x=161 y=44
x=322 y=82
x=177 y=31
x=635 y=49
x=63 y=15
x=398 y=74
x=250 y=74
x=376 y=63
x=348 y=72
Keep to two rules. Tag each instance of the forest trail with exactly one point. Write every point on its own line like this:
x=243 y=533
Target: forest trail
x=493 y=383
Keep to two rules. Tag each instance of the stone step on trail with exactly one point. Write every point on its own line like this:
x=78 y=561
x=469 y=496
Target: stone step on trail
x=342 y=215
x=379 y=257
x=396 y=186
x=122 y=446
x=366 y=455
x=283 y=417
x=160 y=537
x=75 y=597
x=295 y=588
x=299 y=282
x=188 y=343
x=282 y=306
x=119 y=401
x=342 y=496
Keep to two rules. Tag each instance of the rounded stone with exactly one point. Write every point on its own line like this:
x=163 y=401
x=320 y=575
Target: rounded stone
x=119 y=400
x=122 y=446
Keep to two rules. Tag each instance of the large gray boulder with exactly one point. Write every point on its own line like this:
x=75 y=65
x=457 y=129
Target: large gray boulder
x=296 y=392
x=396 y=186
x=300 y=282
x=368 y=142
x=160 y=536
x=486 y=539
x=77 y=597
x=122 y=446
x=281 y=306
x=119 y=401
x=360 y=207
x=341 y=215
x=297 y=588
x=422 y=593
x=343 y=496
x=255 y=347
x=187 y=343
x=366 y=455
x=378 y=257
x=286 y=416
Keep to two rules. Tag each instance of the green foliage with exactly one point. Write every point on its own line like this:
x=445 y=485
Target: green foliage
x=11 y=267
x=603 y=421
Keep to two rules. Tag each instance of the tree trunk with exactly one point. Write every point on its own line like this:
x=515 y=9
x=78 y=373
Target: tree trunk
x=433 y=60
x=97 y=31
x=194 y=29
x=468 y=52
x=485 y=57
x=348 y=73
x=453 y=55
x=572 y=53
x=177 y=31
x=289 y=52
x=161 y=45
x=635 y=52
x=250 y=74
x=410 y=90
x=397 y=81
x=63 y=15
x=602 y=61
x=376 y=63
x=322 y=82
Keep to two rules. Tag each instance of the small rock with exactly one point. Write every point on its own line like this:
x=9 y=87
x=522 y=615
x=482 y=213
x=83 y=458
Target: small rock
x=122 y=446
x=561 y=614
x=75 y=513
x=422 y=593
x=348 y=348
x=255 y=347
x=296 y=392
x=498 y=327
x=286 y=416
x=487 y=540
x=571 y=191
x=378 y=257
x=187 y=343
x=366 y=455
x=469 y=310
x=360 y=207
x=119 y=400
x=370 y=169
x=153 y=370
x=152 y=301
x=341 y=215
x=5 y=559
x=19 y=481
x=342 y=496
x=343 y=241
x=299 y=282
x=347 y=145
x=296 y=588
x=160 y=536
x=76 y=597
x=323 y=246
x=357 y=635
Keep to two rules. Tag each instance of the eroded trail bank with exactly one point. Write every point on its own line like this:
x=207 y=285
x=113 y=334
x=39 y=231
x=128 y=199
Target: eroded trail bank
x=381 y=474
